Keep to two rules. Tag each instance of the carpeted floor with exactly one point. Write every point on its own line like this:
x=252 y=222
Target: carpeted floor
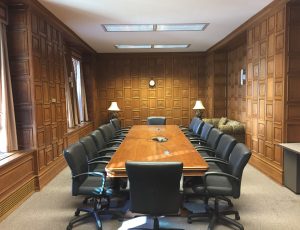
x=263 y=205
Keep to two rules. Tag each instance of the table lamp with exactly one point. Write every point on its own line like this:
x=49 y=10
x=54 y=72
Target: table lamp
x=199 y=108
x=113 y=108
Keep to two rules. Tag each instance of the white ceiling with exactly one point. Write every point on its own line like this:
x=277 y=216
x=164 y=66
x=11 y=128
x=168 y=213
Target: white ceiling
x=85 y=17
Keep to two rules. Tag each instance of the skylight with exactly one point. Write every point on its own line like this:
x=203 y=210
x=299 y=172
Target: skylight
x=154 y=27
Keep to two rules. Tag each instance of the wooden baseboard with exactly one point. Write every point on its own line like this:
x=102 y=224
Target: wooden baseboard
x=46 y=175
x=14 y=200
x=268 y=169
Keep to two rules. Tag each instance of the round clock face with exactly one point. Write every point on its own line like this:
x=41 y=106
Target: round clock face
x=152 y=83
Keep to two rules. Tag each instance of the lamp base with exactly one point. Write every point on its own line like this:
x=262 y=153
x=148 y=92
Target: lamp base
x=113 y=115
x=199 y=113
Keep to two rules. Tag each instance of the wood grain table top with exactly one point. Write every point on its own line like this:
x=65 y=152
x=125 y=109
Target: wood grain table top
x=140 y=146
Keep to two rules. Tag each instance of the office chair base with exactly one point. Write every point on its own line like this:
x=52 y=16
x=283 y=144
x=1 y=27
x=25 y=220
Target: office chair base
x=221 y=216
x=90 y=212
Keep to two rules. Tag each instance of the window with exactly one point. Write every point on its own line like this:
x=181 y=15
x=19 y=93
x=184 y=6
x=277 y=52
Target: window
x=78 y=83
x=8 y=134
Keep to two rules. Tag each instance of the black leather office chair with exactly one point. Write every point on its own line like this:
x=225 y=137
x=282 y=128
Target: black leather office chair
x=213 y=139
x=203 y=136
x=191 y=125
x=117 y=124
x=90 y=184
x=156 y=121
x=222 y=151
x=154 y=188
x=100 y=143
x=196 y=129
x=224 y=184
x=108 y=135
x=96 y=159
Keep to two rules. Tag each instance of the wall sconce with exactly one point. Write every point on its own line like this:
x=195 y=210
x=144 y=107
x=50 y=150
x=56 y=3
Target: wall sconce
x=113 y=109
x=199 y=108
x=243 y=76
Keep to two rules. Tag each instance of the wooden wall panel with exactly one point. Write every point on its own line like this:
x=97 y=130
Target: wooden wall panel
x=236 y=96
x=265 y=93
x=180 y=81
x=292 y=118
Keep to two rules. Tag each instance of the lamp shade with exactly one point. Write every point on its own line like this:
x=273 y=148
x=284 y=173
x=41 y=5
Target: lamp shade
x=199 y=105
x=114 y=107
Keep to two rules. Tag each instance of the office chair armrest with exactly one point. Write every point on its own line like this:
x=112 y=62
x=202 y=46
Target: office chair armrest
x=204 y=148
x=207 y=174
x=209 y=152
x=106 y=150
x=99 y=174
x=216 y=160
x=104 y=158
x=115 y=148
x=98 y=162
x=194 y=141
x=113 y=142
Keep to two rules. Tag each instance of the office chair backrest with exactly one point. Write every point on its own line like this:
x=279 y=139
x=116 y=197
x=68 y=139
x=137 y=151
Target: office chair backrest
x=198 y=125
x=106 y=132
x=116 y=123
x=156 y=121
x=225 y=146
x=98 y=139
x=77 y=161
x=112 y=130
x=154 y=187
x=238 y=159
x=89 y=146
x=193 y=122
x=206 y=128
x=214 y=138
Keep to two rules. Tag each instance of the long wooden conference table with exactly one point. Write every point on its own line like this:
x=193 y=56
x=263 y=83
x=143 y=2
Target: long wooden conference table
x=156 y=143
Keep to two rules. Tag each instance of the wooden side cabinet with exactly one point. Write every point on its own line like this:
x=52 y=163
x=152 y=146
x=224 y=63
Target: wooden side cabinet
x=291 y=166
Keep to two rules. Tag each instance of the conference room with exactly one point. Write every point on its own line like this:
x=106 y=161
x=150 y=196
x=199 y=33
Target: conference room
x=145 y=114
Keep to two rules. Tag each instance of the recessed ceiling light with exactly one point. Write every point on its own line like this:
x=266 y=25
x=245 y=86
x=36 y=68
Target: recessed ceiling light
x=133 y=46
x=171 y=46
x=128 y=27
x=182 y=27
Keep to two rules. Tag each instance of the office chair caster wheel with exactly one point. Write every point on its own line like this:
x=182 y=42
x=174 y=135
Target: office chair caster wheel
x=69 y=227
x=237 y=217
x=77 y=213
x=189 y=220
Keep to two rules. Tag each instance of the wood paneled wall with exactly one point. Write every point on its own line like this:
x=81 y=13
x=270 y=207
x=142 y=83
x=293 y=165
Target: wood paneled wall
x=265 y=91
x=36 y=60
x=292 y=105
x=180 y=81
x=36 y=45
x=216 y=74
x=236 y=93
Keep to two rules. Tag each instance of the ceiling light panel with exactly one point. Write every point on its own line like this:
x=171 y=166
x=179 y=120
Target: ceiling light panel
x=171 y=46
x=133 y=46
x=182 y=27
x=128 y=27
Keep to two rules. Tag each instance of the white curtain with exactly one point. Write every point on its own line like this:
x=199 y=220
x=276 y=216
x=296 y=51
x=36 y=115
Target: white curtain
x=68 y=89
x=8 y=133
x=81 y=96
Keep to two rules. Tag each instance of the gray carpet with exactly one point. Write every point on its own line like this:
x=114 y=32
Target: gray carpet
x=263 y=205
